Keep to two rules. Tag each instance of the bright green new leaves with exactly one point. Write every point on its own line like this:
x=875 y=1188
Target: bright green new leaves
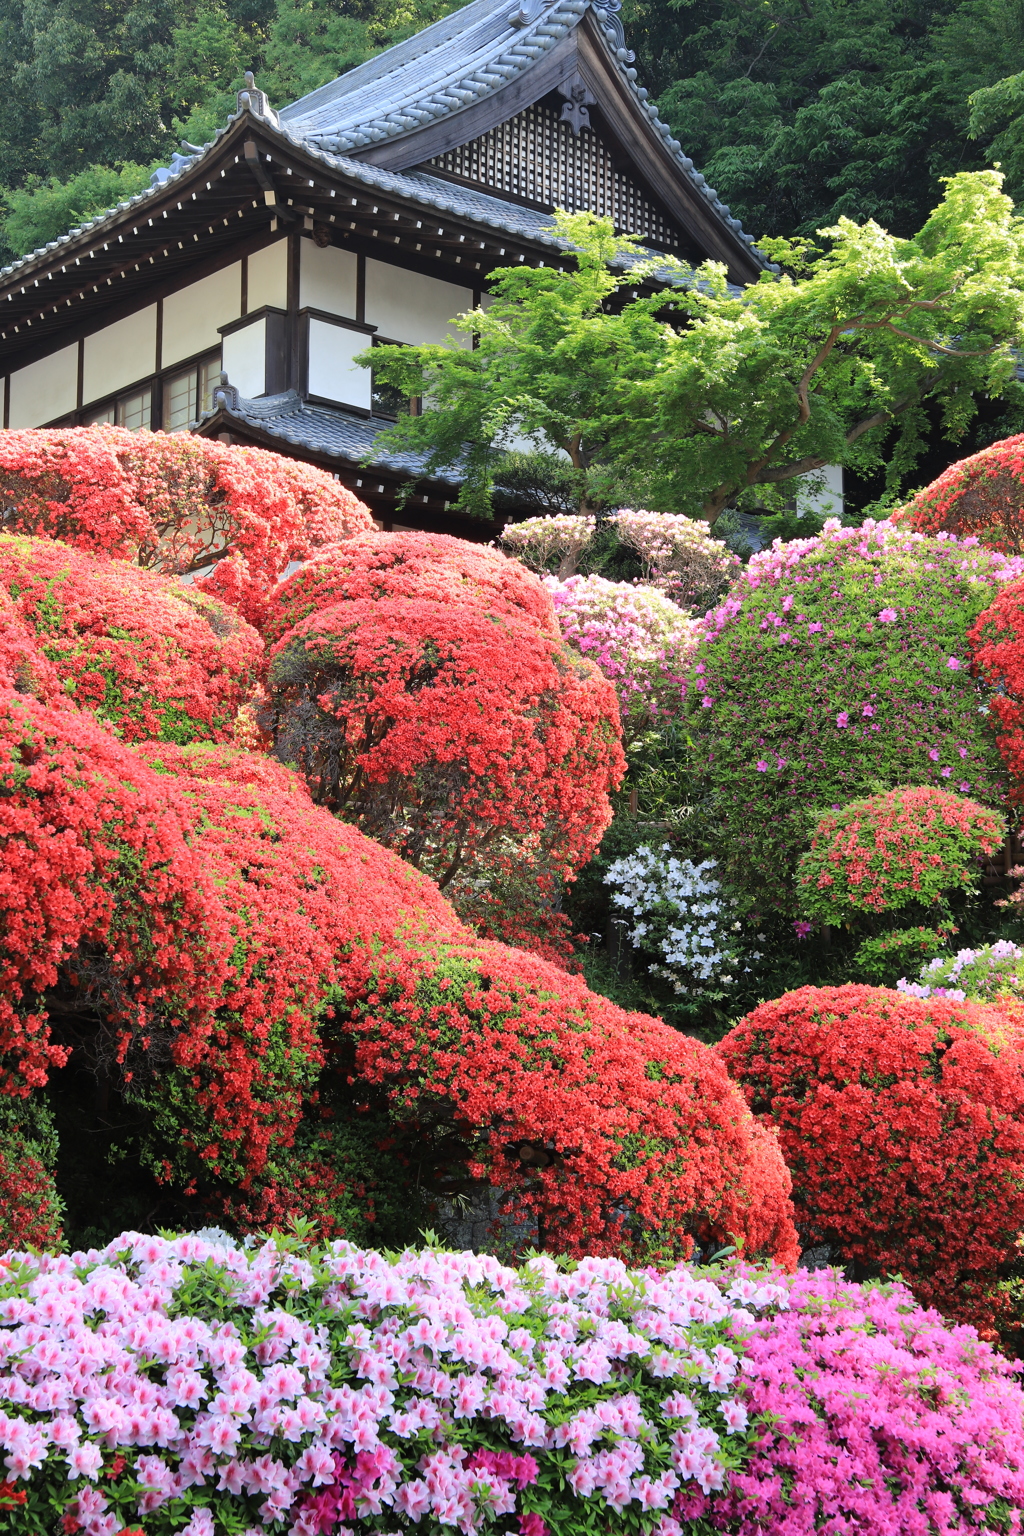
x=714 y=395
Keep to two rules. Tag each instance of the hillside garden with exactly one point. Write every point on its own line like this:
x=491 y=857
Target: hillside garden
x=650 y=916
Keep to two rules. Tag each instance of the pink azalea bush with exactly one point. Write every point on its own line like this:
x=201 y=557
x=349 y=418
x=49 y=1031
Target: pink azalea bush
x=639 y=639
x=199 y=1388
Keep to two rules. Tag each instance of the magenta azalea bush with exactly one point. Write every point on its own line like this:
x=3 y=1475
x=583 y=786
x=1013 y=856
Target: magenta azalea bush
x=184 y=1385
x=839 y=667
x=640 y=640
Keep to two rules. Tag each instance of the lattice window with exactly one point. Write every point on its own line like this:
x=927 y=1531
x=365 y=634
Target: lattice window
x=537 y=157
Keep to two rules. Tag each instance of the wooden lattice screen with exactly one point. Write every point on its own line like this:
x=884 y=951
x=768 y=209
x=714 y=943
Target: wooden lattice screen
x=537 y=157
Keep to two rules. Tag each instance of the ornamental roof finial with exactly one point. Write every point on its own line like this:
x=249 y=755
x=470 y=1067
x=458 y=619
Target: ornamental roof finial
x=251 y=99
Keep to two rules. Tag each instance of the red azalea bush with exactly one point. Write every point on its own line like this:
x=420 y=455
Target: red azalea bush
x=30 y=1210
x=997 y=645
x=100 y=893
x=175 y=503
x=981 y=496
x=605 y=1131
x=23 y=667
x=902 y=1123
x=150 y=657
x=421 y=565
x=880 y=853
x=304 y=900
x=438 y=728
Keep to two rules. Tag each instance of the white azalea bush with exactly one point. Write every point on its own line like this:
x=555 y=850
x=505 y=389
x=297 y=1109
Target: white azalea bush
x=679 y=911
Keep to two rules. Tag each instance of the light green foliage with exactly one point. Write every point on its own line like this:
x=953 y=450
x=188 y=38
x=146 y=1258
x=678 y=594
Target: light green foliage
x=719 y=396
x=40 y=211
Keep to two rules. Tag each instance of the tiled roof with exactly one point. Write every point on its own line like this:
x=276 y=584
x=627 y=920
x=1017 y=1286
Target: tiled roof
x=318 y=429
x=467 y=49
x=459 y=61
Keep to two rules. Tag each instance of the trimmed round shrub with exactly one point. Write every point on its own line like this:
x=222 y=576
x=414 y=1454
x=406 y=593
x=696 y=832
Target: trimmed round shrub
x=886 y=851
x=839 y=666
x=982 y=495
x=148 y=656
x=408 y=565
x=678 y=555
x=997 y=647
x=175 y=503
x=639 y=640
x=437 y=728
x=605 y=1131
x=902 y=1123
x=305 y=901
x=540 y=542
x=318 y=1390
x=100 y=893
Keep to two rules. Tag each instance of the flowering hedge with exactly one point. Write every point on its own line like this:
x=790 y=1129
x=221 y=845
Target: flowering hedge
x=99 y=889
x=997 y=645
x=175 y=503
x=541 y=541
x=418 y=565
x=195 y=1387
x=437 y=727
x=148 y=656
x=986 y=974
x=303 y=901
x=902 y=1123
x=640 y=640
x=883 y=852
x=23 y=667
x=838 y=666
x=607 y=1132
x=982 y=495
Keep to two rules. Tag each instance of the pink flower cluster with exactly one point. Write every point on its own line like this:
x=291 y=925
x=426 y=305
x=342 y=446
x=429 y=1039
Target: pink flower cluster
x=192 y=1380
x=640 y=640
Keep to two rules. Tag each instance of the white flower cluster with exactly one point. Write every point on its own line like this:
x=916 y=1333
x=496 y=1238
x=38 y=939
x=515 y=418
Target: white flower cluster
x=538 y=540
x=680 y=912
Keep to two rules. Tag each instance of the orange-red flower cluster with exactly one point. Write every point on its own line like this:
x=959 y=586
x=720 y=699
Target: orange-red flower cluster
x=29 y=1209
x=424 y=565
x=997 y=647
x=981 y=496
x=147 y=655
x=902 y=1122
x=437 y=727
x=175 y=503
x=606 y=1131
x=882 y=852
x=99 y=889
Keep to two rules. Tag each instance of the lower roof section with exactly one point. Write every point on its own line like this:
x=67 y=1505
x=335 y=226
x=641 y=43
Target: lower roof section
x=341 y=440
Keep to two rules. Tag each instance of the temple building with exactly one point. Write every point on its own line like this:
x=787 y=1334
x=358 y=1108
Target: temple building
x=371 y=210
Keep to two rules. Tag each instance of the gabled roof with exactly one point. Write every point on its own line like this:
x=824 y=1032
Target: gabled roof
x=485 y=54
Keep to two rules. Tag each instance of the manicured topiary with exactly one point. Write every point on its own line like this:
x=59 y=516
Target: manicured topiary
x=640 y=640
x=902 y=1122
x=175 y=503
x=981 y=495
x=839 y=666
x=195 y=1387
x=438 y=728
x=100 y=892
x=887 y=851
x=419 y=565
x=607 y=1132
x=550 y=544
x=304 y=900
x=149 y=656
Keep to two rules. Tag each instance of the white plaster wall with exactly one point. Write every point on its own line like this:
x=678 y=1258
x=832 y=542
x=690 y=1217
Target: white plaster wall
x=332 y=373
x=821 y=491
x=244 y=358
x=46 y=389
x=408 y=306
x=192 y=315
x=327 y=279
x=267 y=281
x=119 y=355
